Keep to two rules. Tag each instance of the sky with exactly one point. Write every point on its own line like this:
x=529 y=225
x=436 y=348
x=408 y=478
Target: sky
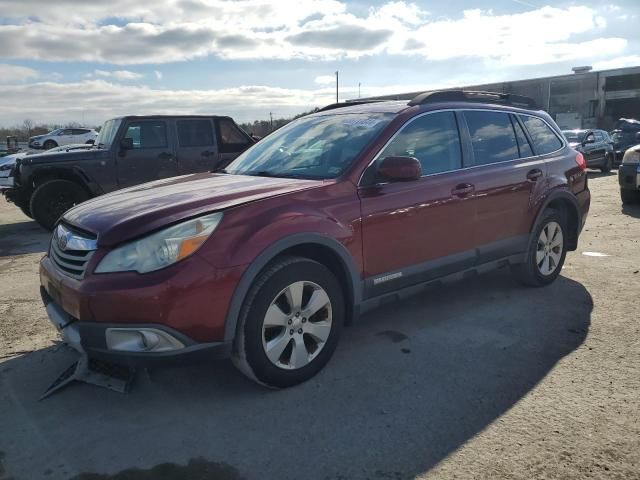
x=86 y=61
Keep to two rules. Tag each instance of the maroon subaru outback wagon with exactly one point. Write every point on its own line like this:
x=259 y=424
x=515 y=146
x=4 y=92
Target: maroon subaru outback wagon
x=323 y=219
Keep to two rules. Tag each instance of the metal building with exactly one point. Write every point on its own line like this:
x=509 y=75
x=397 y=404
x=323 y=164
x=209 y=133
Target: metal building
x=585 y=99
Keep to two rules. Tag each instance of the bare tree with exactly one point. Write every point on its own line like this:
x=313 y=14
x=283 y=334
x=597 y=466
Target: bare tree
x=27 y=125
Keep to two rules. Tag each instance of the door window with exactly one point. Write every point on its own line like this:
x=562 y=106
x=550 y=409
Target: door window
x=433 y=139
x=523 y=143
x=231 y=138
x=544 y=138
x=492 y=137
x=599 y=137
x=195 y=133
x=147 y=134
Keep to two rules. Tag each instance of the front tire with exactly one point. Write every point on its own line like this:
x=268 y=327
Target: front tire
x=49 y=144
x=629 y=196
x=51 y=199
x=608 y=164
x=290 y=323
x=546 y=251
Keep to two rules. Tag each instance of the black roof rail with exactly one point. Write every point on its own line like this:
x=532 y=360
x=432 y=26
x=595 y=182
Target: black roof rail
x=474 y=96
x=350 y=103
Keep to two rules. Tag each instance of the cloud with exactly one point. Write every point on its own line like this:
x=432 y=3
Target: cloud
x=619 y=62
x=15 y=73
x=99 y=99
x=153 y=31
x=118 y=74
x=342 y=37
x=158 y=74
x=325 y=79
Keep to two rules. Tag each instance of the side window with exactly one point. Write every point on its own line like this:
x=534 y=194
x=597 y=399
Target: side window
x=230 y=138
x=195 y=133
x=599 y=137
x=492 y=137
x=79 y=131
x=67 y=131
x=147 y=134
x=544 y=138
x=523 y=143
x=433 y=139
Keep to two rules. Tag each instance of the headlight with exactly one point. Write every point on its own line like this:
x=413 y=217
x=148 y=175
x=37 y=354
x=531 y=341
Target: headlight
x=162 y=248
x=631 y=156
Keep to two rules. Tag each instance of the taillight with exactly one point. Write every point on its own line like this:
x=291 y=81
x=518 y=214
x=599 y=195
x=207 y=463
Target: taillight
x=580 y=161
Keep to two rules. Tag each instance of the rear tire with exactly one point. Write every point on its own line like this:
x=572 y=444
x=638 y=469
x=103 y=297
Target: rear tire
x=282 y=342
x=546 y=251
x=54 y=197
x=608 y=164
x=49 y=144
x=629 y=196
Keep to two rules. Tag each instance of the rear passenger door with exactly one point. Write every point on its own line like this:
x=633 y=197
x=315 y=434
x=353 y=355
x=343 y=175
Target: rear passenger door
x=419 y=230
x=231 y=141
x=196 y=150
x=152 y=156
x=505 y=174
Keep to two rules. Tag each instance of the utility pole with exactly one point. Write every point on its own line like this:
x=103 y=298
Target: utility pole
x=337 y=101
x=271 y=120
x=358 y=89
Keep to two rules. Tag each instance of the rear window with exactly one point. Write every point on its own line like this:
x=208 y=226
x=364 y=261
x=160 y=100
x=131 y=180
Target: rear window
x=492 y=137
x=230 y=137
x=195 y=133
x=544 y=138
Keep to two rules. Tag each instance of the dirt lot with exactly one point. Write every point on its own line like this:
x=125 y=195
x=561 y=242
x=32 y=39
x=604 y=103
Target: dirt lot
x=481 y=379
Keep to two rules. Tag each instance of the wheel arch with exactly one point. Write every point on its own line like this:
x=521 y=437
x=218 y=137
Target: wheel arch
x=320 y=248
x=566 y=203
x=71 y=174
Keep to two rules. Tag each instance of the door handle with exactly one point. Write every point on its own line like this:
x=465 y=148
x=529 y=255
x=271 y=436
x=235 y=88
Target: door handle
x=463 y=189
x=207 y=153
x=534 y=174
x=166 y=156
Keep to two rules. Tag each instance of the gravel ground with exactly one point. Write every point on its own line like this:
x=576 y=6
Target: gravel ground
x=479 y=379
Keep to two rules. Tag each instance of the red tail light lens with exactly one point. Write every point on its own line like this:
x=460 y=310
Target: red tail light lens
x=580 y=161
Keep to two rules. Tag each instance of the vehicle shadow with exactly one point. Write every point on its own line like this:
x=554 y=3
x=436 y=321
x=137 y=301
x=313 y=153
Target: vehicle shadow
x=409 y=384
x=20 y=238
x=631 y=210
x=599 y=174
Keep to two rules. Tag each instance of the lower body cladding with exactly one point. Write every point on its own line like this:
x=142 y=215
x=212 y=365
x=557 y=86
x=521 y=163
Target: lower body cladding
x=168 y=319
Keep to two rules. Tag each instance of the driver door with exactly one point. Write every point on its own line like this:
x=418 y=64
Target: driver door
x=418 y=230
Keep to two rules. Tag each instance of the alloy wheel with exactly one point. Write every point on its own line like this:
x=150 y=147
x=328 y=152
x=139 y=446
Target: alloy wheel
x=297 y=325
x=549 y=250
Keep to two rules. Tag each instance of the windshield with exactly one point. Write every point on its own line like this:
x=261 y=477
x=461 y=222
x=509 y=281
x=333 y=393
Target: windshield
x=316 y=147
x=108 y=133
x=574 y=136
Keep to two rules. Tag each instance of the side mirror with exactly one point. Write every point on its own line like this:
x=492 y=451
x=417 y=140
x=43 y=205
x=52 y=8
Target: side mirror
x=126 y=144
x=400 y=169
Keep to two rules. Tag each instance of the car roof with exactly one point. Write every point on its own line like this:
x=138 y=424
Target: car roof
x=166 y=117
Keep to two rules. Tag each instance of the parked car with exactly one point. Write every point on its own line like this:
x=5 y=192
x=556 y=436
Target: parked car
x=629 y=176
x=63 y=136
x=595 y=145
x=327 y=217
x=625 y=134
x=129 y=151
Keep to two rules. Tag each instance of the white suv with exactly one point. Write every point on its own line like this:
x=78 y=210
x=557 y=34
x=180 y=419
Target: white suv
x=63 y=136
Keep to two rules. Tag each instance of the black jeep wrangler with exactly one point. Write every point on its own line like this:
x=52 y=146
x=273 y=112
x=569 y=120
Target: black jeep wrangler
x=128 y=151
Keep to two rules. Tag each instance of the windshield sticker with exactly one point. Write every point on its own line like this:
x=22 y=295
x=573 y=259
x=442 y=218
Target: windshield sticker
x=362 y=122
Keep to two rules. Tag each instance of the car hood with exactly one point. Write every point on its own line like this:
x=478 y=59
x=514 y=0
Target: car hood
x=64 y=156
x=8 y=161
x=126 y=214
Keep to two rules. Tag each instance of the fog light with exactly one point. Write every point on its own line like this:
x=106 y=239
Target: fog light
x=141 y=340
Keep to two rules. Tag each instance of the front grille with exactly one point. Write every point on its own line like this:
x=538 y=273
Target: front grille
x=72 y=262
